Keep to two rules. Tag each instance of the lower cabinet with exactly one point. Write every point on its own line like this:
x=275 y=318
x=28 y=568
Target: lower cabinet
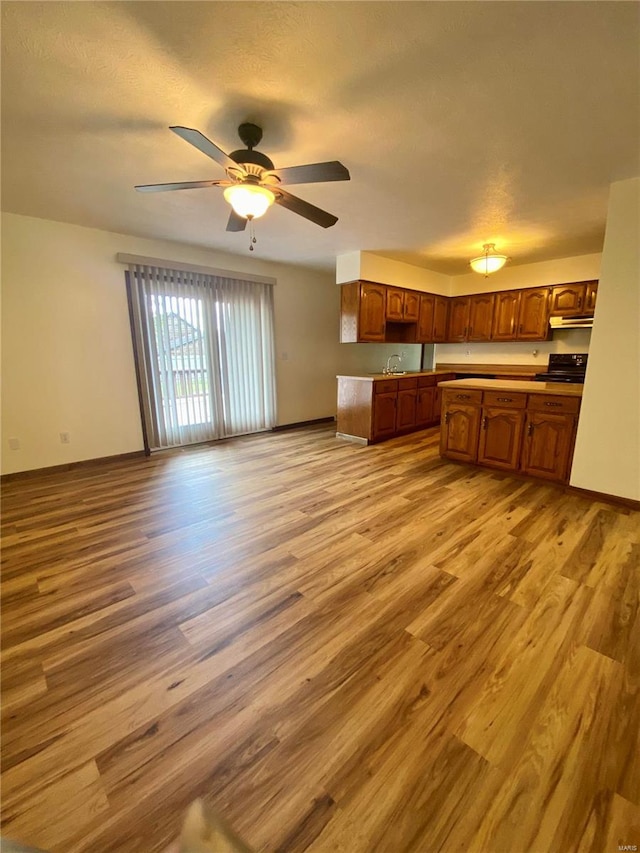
x=406 y=410
x=384 y=415
x=501 y=438
x=548 y=446
x=531 y=433
x=383 y=408
x=459 y=426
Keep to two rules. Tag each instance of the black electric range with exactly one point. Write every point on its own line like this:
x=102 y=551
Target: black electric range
x=565 y=367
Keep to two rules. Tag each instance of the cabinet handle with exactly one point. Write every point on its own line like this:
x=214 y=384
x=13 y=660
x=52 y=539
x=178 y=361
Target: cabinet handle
x=554 y=405
x=484 y=422
x=530 y=429
x=446 y=417
x=505 y=399
x=465 y=331
x=520 y=328
x=462 y=396
x=579 y=301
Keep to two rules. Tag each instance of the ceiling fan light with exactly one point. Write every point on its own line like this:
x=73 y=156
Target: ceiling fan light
x=249 y=200
x=490 y=262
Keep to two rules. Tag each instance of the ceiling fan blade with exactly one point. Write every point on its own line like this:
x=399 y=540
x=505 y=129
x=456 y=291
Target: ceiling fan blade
x=303 y=208
x=184 y=185
x=236 y=223
x=200 y=141
x=313 y=173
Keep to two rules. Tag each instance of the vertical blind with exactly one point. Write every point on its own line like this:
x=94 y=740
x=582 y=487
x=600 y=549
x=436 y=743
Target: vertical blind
x=205 y=354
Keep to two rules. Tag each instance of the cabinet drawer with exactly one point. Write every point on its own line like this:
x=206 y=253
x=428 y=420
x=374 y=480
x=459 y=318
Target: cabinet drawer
x=504 y=399
x=465 y=395
x=547 y=403
x=445 y=377
x=426 y=381
x=407 y=384
x=384 y=386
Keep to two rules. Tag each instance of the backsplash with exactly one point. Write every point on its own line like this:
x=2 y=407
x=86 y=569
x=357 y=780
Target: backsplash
x=566 y=340
x=371 y=358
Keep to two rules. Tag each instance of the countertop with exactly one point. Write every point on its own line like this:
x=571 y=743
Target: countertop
x=375 y=377
x=560 y=389
x=501 y=369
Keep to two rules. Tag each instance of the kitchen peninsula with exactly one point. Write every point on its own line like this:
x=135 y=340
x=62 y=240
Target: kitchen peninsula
x=511 y=425
x=377 y=406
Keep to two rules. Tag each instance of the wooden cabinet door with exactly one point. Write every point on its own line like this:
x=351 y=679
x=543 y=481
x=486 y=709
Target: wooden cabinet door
x=480 y=317
x=458 y=318
x=425 y=318
x=395 y=304
x=384 y=415
x=505 y=315
x=590 y=298
x=568 y=299
x=372 y=312
x=547 y=447
x=459 y=432
x=406 y=410
x=500 y=441
x=411 y=306
x=533 y=317
x=440 y=319
x=424 y=406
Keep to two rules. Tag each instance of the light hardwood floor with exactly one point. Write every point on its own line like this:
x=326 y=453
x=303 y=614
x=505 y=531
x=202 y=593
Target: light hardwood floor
x=341 y=648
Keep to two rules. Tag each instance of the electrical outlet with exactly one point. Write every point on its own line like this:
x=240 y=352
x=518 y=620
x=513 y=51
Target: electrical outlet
x=403 y=354
x=65 y=438
x=14 y=444
x=467 y=352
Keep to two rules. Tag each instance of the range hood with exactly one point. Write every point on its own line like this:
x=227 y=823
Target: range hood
x=574 y=322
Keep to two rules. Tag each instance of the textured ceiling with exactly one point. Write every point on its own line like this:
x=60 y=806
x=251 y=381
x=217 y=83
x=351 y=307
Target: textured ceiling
x=460 y=122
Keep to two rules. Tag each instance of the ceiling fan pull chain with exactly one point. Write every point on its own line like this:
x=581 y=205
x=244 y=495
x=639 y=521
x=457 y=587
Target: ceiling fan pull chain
x=252 y=236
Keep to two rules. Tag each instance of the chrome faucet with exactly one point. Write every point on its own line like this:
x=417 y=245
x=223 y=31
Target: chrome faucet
x=389 y=368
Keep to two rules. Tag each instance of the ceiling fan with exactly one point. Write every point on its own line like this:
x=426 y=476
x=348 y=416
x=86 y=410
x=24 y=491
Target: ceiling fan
x=253 y=183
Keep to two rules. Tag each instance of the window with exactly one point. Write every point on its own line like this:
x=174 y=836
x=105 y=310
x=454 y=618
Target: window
x=204 y=354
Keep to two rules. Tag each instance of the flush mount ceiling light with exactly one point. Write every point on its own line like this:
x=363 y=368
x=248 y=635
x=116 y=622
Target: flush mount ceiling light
x=249 y=200
x=490 y=262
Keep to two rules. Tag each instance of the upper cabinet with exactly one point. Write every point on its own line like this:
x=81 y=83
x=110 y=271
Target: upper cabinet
x=403 y=306
x=571 y=299
x=377 y=313
x=362 y=312
x=458 y=318
x=480 y=316
x=440 y=319
x=505 y=315
x=533 y=315
x=521 y=315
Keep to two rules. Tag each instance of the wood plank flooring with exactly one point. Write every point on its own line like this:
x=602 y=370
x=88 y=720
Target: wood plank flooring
x=341 y=648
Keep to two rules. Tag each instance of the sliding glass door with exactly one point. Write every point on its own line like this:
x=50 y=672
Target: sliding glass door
x=204 y=354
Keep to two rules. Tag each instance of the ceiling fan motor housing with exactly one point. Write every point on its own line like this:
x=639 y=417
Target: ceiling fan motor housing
x=251 y=135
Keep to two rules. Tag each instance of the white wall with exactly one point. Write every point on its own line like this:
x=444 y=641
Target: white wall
x=531 y=353
x=514 y=277
x=370 y=267
x=67 y=363
x=607 y=454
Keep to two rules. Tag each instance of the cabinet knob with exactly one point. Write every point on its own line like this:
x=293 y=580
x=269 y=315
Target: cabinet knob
x=530 y=429
x=462 y=396
x=484 y=422
x=446 y=417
